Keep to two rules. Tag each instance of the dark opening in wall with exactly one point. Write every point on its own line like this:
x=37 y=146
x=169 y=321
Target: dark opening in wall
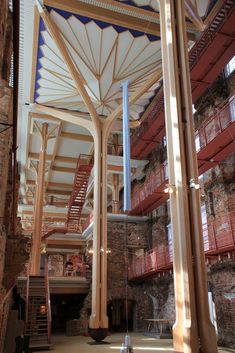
x=121 y=314
x=64 y=308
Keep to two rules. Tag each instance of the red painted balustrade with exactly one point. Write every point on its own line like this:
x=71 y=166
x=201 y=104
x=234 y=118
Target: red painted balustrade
x=214 y=142
x=215 y=137
x=207 y=59
x=88 y=221
x=151 y=194
x=218 y=236
x=221 y=234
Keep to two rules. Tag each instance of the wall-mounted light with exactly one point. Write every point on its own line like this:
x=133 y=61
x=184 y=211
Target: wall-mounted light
x=43 y=249
x=194 y=184
x=170 y=188
x=90 y=251
x=42 y=309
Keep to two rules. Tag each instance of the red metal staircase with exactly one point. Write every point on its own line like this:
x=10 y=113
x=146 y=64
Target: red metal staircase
x=78 y=196
x=38 y=312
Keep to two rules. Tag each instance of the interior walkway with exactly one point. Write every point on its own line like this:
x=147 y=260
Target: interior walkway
x=141 y=343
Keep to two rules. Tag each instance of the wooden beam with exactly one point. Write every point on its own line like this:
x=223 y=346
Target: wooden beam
x=48 y=214
x=58 y=192
x=52 y=184
x=112 y=17
x=55 y=148
x=193 y=15
x=133 y=98
x=64 y=242
x=73 y=70
x=132 y=17
x=34 y=53
x=79 y=137
x=63 y=169
x=68 y=116
x=111 y=168
x=213 y=12
x=63 y=159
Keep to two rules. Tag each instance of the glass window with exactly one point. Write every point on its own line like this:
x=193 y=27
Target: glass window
x=204 y=227
x=197 y=141
x=230 y=67
x=170 y=245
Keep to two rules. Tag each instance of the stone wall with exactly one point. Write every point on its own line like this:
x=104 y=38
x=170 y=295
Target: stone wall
x=13 y=246
x=222 y=280
x=124 y=239
x=219 y=198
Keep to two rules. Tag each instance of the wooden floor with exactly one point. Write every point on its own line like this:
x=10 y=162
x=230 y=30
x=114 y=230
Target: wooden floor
x=141 y=344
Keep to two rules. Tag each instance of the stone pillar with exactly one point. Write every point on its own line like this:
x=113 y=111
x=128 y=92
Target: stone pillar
x=192 y=331
x=38 y=207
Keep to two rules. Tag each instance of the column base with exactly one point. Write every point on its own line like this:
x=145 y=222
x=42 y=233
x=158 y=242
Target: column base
x=98 y=334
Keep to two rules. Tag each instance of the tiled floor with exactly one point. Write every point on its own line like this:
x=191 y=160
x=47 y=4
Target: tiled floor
x=141 y=344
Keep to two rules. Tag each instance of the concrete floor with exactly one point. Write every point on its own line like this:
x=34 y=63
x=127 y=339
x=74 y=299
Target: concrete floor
x=141 y=343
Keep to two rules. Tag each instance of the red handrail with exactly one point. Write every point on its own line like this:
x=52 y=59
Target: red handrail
x=48 y=301
x=87 y=222
x=217 y=123
x=153 y=182
x=218 y=238
x=27 y=294
x=209 y=34
x=209 y=130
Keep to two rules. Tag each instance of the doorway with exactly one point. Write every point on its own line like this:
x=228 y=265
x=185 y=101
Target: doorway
x=65 y=307
x=120 y=313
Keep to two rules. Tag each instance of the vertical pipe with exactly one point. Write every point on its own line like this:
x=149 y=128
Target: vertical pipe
x=126 y=149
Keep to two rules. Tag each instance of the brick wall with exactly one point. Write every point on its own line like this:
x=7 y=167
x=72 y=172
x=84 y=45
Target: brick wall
x=222 y=279
x=13 y=246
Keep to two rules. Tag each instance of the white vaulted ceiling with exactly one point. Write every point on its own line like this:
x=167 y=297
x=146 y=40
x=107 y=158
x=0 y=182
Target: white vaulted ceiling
x=106 y=50
x=201 y=6
x=104 y=57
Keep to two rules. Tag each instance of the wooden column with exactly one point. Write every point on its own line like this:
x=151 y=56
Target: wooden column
x=38 y=207
x=115 y=194
x=192 y=331
x=98 y=322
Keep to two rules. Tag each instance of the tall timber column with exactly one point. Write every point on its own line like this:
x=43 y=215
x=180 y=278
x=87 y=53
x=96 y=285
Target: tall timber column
x=115 y=194
x=100 y=130
x=192 y=331
x=38 y=208
x=98 y=322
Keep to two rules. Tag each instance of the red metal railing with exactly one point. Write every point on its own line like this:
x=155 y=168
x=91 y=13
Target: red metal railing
x=155 y=260
x=216 y=124
x=209 y=130
x=156 y=179
x=209 y=34
x=218 y=236
x=221 y=234
x=48 y=301
x=195 y=55
x=158 y=107
x=88 y=221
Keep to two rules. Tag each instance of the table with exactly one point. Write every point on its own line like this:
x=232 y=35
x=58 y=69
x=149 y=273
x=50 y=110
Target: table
x=161 y=322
